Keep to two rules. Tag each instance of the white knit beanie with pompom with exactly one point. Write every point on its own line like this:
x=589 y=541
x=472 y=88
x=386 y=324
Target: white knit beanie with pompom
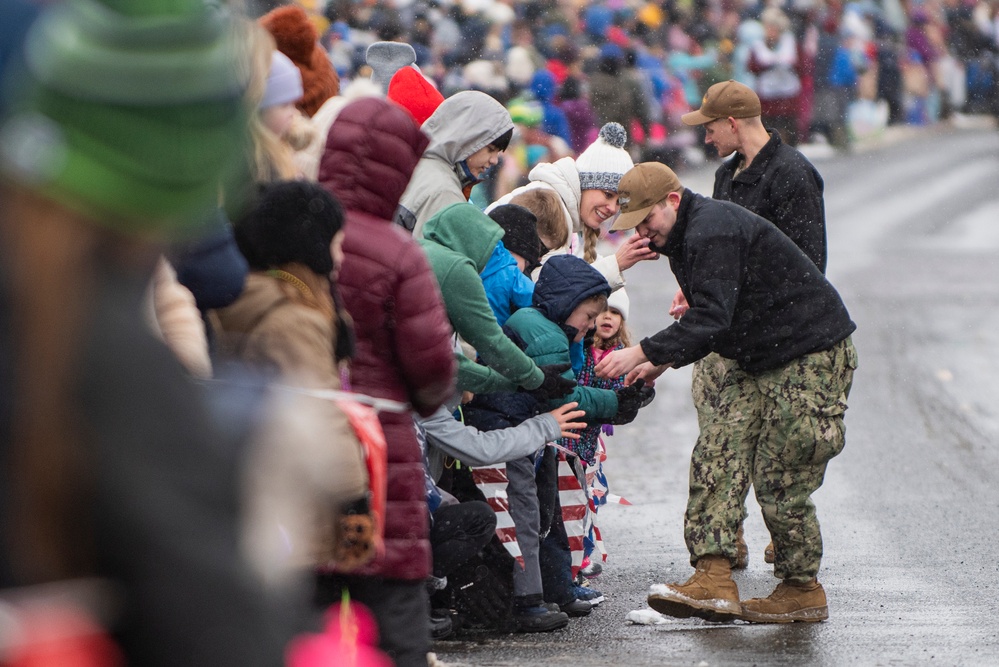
x=605 y=161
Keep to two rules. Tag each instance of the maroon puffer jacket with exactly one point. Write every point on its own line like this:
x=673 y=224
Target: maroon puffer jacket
x=404 y=349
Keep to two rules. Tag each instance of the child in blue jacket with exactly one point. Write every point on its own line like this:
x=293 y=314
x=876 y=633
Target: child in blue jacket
x=505 y=276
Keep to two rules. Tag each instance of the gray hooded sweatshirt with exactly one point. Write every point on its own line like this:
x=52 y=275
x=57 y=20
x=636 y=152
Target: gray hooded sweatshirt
x=463 y=124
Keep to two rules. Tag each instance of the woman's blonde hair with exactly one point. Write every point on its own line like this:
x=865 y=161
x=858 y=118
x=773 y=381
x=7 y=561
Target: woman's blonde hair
x=272 y=156
x=546 y=206
x=590 y=238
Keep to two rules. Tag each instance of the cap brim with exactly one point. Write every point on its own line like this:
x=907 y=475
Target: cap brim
x=631 y=219
x=695 y=118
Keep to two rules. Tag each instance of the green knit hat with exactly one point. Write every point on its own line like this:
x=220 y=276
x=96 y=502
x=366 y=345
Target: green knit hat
x=134 y=114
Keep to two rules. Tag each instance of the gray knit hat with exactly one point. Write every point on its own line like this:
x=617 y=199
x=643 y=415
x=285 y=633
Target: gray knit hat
x=605 y=161
x=387 y=58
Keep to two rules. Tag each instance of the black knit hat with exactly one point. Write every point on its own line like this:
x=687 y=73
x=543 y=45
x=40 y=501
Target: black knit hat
x=521 y=237
x=290 y=221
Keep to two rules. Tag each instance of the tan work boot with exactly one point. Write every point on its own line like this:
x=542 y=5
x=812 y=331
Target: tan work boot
x=788 y=603
x=768 y=553
x=741 y=551
x=709 y=594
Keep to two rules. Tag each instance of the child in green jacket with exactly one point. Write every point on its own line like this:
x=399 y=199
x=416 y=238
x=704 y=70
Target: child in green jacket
x=459 y=241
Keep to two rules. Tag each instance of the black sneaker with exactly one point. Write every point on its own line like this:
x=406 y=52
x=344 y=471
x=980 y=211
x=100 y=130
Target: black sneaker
x=539 y=619
x=440 y=623
x=577 y=608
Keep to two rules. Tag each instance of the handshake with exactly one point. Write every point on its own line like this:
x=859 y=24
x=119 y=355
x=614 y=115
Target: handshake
x=630 y=399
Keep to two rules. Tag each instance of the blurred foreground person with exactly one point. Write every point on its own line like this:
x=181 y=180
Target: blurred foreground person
x=286 y=324
x=404 y=354
x=114 y=464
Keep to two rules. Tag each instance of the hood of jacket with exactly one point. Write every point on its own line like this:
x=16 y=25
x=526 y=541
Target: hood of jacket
x=563 y=177
x=371 y=151
x=463 y=124
x=464 y=229
x=564 y=283
x=498 y=261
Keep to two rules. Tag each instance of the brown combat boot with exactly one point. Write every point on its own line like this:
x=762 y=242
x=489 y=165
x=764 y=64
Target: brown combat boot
x=741 y=551
x=709 y=594
x=769 y=554
x=788 y=603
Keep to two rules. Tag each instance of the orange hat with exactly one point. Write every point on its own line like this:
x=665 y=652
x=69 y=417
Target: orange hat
x=296 y=37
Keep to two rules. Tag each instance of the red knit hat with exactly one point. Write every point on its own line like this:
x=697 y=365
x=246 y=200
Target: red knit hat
x=410 y=90
x=296 y=37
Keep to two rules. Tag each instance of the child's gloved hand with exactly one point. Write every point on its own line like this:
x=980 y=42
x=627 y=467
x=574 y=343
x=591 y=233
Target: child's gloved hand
x=624 y=417
x=630 y=400
x=554 y=385
x=635 y=396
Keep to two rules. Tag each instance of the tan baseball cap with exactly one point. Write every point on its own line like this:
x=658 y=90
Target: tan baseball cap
x=728 y=99
x=644 y=186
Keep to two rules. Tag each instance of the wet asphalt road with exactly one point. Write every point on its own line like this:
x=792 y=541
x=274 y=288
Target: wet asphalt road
x=909 y=510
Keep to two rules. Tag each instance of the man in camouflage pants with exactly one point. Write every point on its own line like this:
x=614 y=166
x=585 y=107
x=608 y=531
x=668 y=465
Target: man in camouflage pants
x=775 y=181
x=756 y=299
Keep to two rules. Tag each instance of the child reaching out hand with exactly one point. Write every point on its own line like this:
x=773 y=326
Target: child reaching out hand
x=611 y=334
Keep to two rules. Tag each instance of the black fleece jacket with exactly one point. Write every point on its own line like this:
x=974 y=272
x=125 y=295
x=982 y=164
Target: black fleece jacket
x=754 y=296
x=781 y=185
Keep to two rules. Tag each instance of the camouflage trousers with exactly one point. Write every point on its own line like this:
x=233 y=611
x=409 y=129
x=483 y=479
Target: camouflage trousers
x=777 y=431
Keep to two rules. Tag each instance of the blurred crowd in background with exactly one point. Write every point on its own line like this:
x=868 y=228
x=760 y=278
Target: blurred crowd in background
x=199 y=263
x=827 y=72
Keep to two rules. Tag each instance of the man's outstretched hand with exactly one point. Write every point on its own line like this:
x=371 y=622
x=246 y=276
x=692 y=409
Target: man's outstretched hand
x=647 y=372
x=621 y=362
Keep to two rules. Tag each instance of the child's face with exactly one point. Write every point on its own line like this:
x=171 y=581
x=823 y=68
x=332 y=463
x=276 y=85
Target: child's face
x=481 y=160
x=278 y=118
x=608 y=324
x=584 y=317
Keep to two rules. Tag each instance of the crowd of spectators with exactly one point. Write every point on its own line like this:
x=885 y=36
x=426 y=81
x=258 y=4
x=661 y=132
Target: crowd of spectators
x=826 y=71
x=179 y=178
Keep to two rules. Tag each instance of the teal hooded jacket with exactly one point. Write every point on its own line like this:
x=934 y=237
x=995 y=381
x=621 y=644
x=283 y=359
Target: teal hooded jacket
x=564 y=283
x=458 y=241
